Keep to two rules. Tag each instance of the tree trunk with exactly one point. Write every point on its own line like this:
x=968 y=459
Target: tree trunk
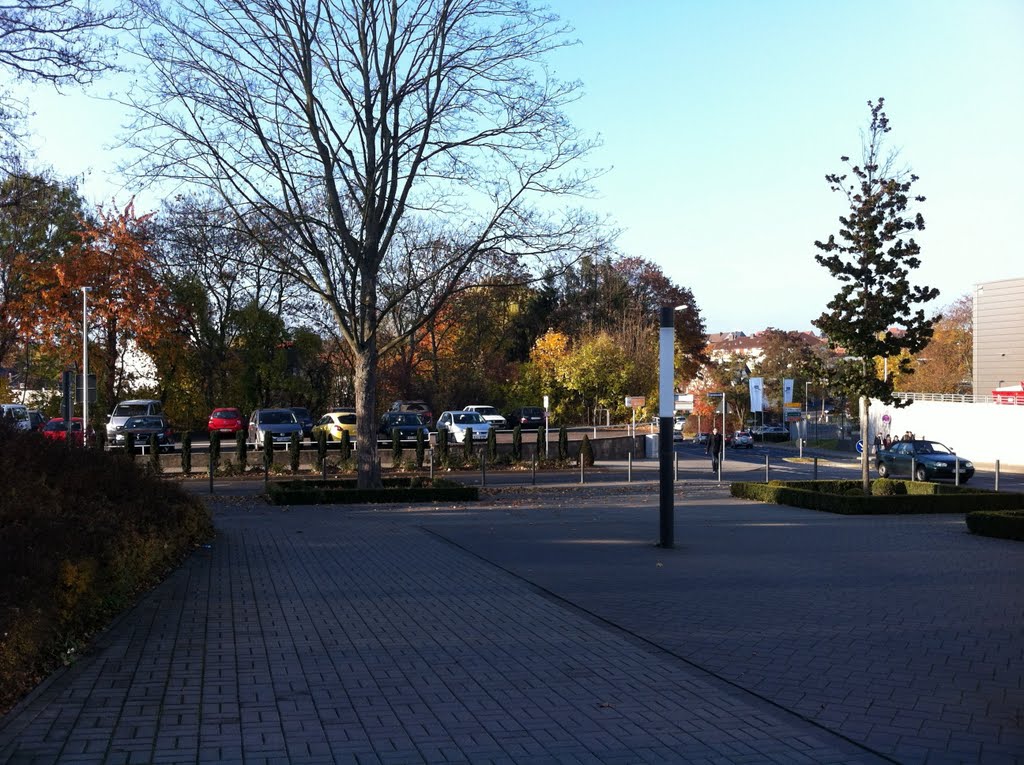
x=865 y=441
x=365 y=374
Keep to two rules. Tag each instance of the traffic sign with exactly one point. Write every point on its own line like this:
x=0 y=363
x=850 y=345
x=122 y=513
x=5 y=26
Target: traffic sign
x=886 y=418
x=860 y=447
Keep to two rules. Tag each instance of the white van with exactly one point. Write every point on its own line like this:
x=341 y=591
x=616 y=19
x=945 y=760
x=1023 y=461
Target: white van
x=140 y=407
x=18 y=416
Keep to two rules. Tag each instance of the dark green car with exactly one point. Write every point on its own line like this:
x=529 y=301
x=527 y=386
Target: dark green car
x=922 y=461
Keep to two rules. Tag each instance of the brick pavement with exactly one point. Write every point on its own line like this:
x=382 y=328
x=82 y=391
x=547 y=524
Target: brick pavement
x=317 y=635
x=903 y=633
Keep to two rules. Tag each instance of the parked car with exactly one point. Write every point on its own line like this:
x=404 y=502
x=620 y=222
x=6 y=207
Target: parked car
x=305 y=419
x=929 y=461
x=459 y=423
x=142 y=407
x=335 y=423
x=144 y=428
x=56 y=430
x=702 y=438
x=15 y=415
x=774 y=433
x=408 y=424
x=275 y=424
x=741 y=439
x=489 y=413
x=526 y=417
x=416 y=406
x=226 y=420
x=37 y=420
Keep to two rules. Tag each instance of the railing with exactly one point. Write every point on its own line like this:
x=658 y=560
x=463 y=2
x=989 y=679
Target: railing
x=1010 y=398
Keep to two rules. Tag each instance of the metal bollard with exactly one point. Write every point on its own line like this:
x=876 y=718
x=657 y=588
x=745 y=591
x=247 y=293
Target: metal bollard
x=997 y=475
x=677 y=467
x=629 y=468
x=483 y=469
x=815 y=468
x=582 y=475
x=534 y=469
x=767 y=470
x=431 y=464
x=913 y=468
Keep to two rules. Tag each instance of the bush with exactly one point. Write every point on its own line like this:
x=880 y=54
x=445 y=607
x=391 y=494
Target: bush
x=154 y=453
x=268 y=452
x=886 y=487
x=420 y=449
x=344 y=491
x=542 y=435
x=346 y=446
x=442 y=446
x=563 y=443
x=75 y=551
x=396 y=447
x=294 y=453
x=492 y=446
x=586 y=452
x=242 y=450
x=1004 y=524
x=321 y=450
x=467 y=445
x=517 y=443
x=186 y=453
x=214 y=450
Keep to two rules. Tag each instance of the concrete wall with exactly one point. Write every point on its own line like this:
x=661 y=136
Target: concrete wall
x=982 y=433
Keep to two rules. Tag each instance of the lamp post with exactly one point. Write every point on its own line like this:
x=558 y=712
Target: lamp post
x=85 y=366
x=666 y=406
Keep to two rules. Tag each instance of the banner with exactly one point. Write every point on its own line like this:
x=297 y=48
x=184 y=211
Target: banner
x=787 y=391
x=756 y=394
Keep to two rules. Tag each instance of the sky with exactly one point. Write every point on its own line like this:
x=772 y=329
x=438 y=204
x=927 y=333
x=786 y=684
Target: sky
x=718 y=121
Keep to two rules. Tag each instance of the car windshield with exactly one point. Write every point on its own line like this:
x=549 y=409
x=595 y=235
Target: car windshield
x=300 y=412
x=467 y=418
x=55 y=426
x=130 y=410
x=277 y=418
x=931 y=447
x=486 y=410
x=405 y=419
x=144 y=422
x=227 y=414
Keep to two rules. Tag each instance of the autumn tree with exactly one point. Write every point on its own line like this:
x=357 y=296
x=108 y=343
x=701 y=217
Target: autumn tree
x=787 y=354
x=400 y=148
x=945 y=365
x=872 y=259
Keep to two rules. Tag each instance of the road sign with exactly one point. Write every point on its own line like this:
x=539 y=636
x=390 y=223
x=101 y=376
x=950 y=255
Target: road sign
x=860 y=447
x=886 y=418
x=636 y=402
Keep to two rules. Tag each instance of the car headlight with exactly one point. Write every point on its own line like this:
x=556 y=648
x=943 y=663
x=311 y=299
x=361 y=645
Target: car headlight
x=967 y=464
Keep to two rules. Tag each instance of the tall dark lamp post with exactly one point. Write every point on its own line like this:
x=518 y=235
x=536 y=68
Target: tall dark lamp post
x=666 y=407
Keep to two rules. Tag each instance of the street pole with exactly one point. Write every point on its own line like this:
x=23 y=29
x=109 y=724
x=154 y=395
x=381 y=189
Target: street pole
x=666 y=398
x=85 y=367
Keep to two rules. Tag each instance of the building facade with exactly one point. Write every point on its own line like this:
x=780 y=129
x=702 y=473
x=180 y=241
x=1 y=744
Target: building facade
x=998 y=335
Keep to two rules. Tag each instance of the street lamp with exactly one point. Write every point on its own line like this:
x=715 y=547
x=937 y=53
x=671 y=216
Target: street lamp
x=666 y=411
x=85 y=366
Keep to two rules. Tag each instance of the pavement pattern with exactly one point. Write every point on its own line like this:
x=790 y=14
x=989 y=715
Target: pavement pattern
x=545 y=626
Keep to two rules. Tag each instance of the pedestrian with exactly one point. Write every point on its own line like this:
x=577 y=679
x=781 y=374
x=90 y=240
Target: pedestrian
x=877 y=443
x=887 y=441
x=714 y=448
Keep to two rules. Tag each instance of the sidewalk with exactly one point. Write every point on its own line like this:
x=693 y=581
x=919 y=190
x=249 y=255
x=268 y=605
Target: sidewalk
x=546 y=627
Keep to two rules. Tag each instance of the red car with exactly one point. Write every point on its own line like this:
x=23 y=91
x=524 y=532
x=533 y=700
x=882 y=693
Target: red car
x=227 y=421
x=55 y=430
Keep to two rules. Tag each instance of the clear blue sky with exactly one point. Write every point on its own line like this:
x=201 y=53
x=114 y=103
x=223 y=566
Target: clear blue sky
x=720 y=119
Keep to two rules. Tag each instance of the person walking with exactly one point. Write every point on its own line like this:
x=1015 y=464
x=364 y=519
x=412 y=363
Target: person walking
x=714 y=448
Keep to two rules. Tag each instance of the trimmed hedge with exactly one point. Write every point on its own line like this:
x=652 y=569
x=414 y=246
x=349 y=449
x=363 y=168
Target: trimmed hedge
x=343 y=491
x=845 y=498
x=1004 y=524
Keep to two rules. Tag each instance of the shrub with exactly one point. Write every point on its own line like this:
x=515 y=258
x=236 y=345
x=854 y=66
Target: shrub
x=75 y=551
x=346 y=446
x=214 y=450
x=129 y=444
x=492 y=446
x=321 y=449
x=186 y=453
x=420 y=449
x=442 y=446
x=268 y=452
x=154 y=453
x=294 y=453
x=586 y=452
x=563 y=443
x=542 y=436
x=396 y=447
x=517 y=443
x=242 y=450
x=467 y=445
x=101 y=438
x=886 y=487
x=1004 y=524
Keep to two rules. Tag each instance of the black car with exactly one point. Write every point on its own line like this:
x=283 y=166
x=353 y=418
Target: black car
x=305 y=420
x=526 y=417
x=408 y=424
x=143 y=428
x=922 y=461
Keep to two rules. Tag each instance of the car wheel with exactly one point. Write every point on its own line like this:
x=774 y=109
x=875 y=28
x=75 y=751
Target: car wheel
x=920 y=474
x=883 y=470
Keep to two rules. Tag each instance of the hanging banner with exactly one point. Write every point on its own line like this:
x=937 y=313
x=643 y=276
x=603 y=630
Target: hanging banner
x=756 y=394
x=787 y=391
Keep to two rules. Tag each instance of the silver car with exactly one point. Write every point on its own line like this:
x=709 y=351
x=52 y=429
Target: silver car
x=276 y=424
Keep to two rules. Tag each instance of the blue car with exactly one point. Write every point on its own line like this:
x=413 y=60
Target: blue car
x=922 y=461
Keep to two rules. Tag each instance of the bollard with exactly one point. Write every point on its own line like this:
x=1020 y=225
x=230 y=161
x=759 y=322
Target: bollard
x=582 y=464
x=431 y=464
x=815 y=468
x=211 y=475
x=913 y=468
x=629 y=468
x=997 y=475
x=534 y=469
x=677 y=467
x=483 y=468
x=767 y=470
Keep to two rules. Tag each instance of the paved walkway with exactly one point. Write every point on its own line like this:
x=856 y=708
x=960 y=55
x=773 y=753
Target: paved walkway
x=546 y=627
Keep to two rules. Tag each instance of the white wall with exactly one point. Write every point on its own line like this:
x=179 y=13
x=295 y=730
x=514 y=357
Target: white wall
x=982 y=433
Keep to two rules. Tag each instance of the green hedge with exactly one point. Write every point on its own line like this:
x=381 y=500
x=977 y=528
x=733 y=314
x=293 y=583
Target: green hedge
x=344 y=491
x=1005 y=524
x=845 y=498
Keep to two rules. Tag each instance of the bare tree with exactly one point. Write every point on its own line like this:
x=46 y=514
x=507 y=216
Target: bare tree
x=401 y=147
